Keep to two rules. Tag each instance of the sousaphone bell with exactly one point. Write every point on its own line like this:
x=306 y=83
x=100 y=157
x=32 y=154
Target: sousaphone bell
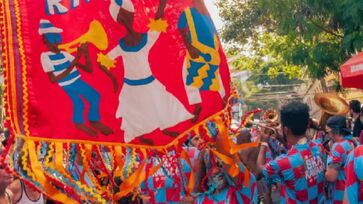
x=331 y=105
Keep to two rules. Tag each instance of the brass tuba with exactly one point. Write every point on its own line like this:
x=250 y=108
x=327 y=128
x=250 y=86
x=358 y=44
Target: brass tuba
x=331 y=105
x=96 y=35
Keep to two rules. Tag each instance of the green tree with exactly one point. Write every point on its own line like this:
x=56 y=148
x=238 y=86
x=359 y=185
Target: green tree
x=313 y=35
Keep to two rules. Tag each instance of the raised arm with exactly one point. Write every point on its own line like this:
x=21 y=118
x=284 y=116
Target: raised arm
x=107 y=62
x=262 y=155
x=193 y=51
x=160 y=12
x=83 y=50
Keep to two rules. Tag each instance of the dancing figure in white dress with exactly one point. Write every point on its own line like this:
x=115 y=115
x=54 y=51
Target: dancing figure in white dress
x=144 y=103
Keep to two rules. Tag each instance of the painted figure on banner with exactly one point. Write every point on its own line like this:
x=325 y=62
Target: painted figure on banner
x=62 y=68
x=142 y=97
x=202 y=61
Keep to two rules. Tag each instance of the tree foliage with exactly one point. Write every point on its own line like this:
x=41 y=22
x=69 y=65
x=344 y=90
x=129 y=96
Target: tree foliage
x=293 y=35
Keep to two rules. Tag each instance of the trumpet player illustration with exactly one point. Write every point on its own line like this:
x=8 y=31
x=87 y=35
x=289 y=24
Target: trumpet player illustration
x=144 y=103
x=62 y=68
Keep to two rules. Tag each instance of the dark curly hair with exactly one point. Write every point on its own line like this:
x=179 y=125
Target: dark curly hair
x=354 y=105
x=295 y=116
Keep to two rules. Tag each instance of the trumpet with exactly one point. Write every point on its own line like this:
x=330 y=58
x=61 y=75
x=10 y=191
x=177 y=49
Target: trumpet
x=270 y=115
x=96 y=35
x=269 y=122
x=269 y=129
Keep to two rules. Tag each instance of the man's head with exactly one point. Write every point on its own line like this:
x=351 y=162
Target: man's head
x=198 y=142
x=336 y=127
x=294 y=120
x=217 y=177
x=213 y=168
x=244 y=136
x=354 y=107
x=50 y=34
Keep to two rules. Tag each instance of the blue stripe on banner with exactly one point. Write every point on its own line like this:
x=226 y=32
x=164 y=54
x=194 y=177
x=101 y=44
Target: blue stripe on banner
x=70 y=76
x=118 y=2
x=45 y=25
x=62 y=66
x=207 y=82
x=193 y=71
x=57 y=56
x=139 y=82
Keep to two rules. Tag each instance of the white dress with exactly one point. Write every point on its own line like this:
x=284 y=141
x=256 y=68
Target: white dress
x=145 y=107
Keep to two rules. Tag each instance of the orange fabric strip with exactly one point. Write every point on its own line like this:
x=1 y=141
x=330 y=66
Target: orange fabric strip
x=191 y=183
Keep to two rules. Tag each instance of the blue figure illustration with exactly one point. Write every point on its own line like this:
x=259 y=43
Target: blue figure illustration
x=61 y=68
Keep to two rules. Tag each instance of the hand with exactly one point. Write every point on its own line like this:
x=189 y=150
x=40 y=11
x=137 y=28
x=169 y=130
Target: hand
x=188 y=199
x=193 y=52
x=83 y=48
x=263 y=136
x=145 y=198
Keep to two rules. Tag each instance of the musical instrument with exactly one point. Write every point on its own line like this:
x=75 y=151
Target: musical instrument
x=96 y=35
x=270 y=115
x=269 y=122
x=330 y=105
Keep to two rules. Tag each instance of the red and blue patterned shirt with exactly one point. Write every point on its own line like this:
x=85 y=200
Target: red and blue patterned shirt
x=337 y=159
x=301 y=173
x=354 y=174
x=235 y=193
x=162 y=188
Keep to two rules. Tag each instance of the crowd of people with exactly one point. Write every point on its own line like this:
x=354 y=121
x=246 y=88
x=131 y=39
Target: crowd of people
x=303 y=166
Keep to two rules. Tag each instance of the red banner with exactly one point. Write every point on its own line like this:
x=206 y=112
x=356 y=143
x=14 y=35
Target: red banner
x=109 y=76
x=148 y=85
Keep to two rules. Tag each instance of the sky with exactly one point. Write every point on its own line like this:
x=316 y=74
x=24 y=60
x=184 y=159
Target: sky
x=214 y=13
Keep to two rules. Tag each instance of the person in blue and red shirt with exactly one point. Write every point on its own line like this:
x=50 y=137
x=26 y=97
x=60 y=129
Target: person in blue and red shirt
x=354 y=173
x=301 y=170
x=213 y=183
x=343 y=145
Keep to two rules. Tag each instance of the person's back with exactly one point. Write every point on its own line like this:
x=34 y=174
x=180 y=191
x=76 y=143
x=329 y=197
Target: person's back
x=338 y=132
x=338 y=156
x=354 y=176
x=301 y=172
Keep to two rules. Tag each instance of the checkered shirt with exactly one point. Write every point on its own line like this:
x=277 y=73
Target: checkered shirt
x=337 y=158
x=276 y=147
x=165 y=190
x=236 y=193
x=319 y=137
x=269 y=156
x=301 y=173
x=354 y=173
x=193 y=154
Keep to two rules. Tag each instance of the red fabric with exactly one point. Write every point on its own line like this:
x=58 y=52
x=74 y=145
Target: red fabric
x=50 y=109
x=351 y=72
